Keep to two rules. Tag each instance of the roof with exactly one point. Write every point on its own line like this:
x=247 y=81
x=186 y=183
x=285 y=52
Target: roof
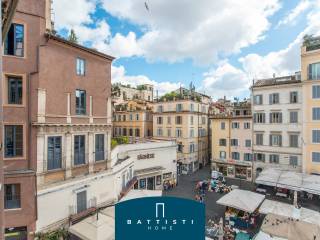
x=290 y=180
x=242 y=200
x=276 y=81
x=289 y=211
x=75 y=45
x=289 y=228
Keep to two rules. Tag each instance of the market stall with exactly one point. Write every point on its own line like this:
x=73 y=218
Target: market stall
x=241 y=209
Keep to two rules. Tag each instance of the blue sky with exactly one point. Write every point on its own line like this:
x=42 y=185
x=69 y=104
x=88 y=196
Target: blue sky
x=219 y=45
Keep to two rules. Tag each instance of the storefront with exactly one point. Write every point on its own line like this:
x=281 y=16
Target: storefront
x=17 y=233
x=232 y=169
x=153 y=181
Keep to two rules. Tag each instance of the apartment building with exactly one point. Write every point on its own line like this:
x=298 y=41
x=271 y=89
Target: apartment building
x=57 y=123
x=133 y=119
x=184 y=117
x=232 y=142
x=310 y=76
x=8 y=9
x=277 y=123
x=122 y=93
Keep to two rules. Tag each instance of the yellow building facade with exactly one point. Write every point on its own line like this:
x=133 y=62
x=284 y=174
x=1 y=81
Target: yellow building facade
x=310 y=76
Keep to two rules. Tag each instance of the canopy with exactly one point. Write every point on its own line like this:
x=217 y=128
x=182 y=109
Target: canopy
x=141 y=193
x=289 y=228
x=289 y=211
x=241 y=199
x=290 y=180
x=99 y=226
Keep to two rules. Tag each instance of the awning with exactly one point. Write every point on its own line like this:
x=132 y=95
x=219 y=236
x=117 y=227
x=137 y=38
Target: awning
x=241 y=199
x=96 y=227
x=289 y=228
x=289 y=211
x=133 y=194
x=290 y=180
x=147 y=171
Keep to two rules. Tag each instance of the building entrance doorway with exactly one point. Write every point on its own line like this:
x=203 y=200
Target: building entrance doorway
x=150 y=183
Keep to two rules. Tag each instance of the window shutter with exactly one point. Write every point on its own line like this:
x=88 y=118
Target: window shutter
x=270 y=139
x=254 y=117
x=280 y=140
x=270 y=118
x=263 y=117
x=310 y=71
x=280 y=117
x=270 y=98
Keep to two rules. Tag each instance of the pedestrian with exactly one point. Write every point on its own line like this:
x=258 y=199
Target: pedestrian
x=201 y=199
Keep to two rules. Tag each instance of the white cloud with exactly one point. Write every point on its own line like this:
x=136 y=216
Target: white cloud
x=225 y=80
x=198 y=30
x=291 y=17
x=119 y=76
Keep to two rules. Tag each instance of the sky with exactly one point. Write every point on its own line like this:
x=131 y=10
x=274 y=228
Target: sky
x=219 y=45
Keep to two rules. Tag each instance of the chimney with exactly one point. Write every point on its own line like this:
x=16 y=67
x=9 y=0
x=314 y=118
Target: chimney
x=48 y=16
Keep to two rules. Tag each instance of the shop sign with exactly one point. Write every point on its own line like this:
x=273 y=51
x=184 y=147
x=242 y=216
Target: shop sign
x=145 y=156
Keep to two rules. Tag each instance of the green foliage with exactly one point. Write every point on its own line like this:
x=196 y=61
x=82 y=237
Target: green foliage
x=141 y=87
x=73 y=37
x=170 y=96
x=60 y=234
x=119 y=140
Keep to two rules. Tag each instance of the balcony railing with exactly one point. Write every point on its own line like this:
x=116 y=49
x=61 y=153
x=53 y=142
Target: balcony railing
x=128 y=186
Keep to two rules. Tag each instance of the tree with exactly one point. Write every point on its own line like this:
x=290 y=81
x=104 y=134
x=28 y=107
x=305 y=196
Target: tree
x=73 y=37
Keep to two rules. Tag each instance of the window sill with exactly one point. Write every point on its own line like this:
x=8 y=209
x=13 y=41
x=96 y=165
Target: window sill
x=22 y=158
x=79 y=166
x=14 y=56
x=12 y=209
x=55 y=170
x=7 y=105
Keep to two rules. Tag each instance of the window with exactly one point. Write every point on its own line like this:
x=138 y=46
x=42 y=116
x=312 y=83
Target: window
x=179 y=107
x=169 y=120
x=180 y=147
x=191 y=120
x=13 y=140
x=223 y=154
x=293 y=117
x=259 y=117
x=124 y=132
x=314 y=71
x=274 y=98
x=293 y=160
x=223 y=125
x=99 y=148
x=247 y=157
x=222 y=142
x=124 y=118
x=248 y=143
x=178 y=132
x=276 y=117
x=260 y=157
x=203 y=120
x=246 y=125
x=119 y=118
x=191 y=148
x=234 y=142
x=169 y=132
x=235 y=155
x=159 y=180
x=315 y=136
x=316 y=91
x=14 y=44
x=54 y=153
x=130 y=117
x=14 y=90
x=12 y=196
x=81 y=67
x=293 y=97
x=159 y=120
x=80 y=102
x=316 y=157
x=274 y=158
x=316 y=113
x=235 y=125
x=81 y=201
x=79 y=149
x=130 y=132
x=294 y=140
x=275 y=140
x=178 y=119
x=191 y=132
x=160 y=108
x=258 y=100
x=159 y=132
x=137 y=132
x=191 y=107
x=137 y=116
x=259 y=139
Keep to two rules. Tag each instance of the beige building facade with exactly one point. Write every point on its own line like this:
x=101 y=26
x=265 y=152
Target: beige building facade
x=232 y=144
x=186 y=121
x=310 y=76
x=122 y=93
